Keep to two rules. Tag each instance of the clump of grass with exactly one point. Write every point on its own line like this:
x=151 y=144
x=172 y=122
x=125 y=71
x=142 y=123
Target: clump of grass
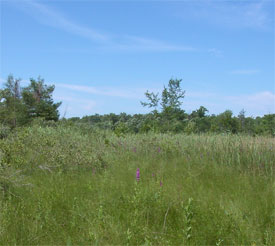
x=84 y=188
x=188 y=219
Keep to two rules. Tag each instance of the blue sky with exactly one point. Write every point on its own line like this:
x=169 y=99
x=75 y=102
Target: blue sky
x=103 y=55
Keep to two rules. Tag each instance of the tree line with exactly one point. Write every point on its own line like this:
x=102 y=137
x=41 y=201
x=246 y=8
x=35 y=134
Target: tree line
x=19 y=106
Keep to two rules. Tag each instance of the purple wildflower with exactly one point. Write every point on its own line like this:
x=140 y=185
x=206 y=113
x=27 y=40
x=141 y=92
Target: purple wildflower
x=135 y=149
x=158 y=149
x=160 y=183
x=153 y=175
x=138 y=175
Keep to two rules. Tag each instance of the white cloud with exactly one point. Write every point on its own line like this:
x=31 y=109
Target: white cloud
x=53 y=18
x=215 y=52
x=139 y=43
x=74 y=105
x=258 y=103
x=129 y=93
x=245 y=71
x=255 y=104
x=254 y=14
x=199 y=94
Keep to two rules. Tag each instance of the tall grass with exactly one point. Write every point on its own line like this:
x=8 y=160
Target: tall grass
x=69 y=185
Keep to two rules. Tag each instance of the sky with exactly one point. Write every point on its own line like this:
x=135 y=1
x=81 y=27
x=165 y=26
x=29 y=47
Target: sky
x=102 y=56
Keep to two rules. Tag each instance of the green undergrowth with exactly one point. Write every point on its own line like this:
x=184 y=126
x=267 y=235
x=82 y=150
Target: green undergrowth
x=72 y=186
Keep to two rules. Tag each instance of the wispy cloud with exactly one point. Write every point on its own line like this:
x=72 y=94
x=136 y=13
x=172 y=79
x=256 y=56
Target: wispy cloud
x=263 y=102
x=255 y=104
x=143 y=44
x=200 y=94
x=55 y=19
x=136 y=93
x=51 y=17
x=215 y=52
x=256 y=14
x=130 y=93
x=85 y=104
x=245 y=71
x=74 y=105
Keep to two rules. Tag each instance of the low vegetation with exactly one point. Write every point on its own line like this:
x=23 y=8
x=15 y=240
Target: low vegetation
x=69 y=184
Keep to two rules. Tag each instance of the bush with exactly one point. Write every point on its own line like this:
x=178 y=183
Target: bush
x=4 y=131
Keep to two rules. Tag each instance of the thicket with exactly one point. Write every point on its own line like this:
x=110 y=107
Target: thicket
x=181 y=123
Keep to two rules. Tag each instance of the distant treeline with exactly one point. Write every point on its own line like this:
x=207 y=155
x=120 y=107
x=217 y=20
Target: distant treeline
x=196 y=122
x=167 y=116
x=20 y=106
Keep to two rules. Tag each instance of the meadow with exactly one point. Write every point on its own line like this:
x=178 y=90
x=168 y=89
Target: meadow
x=72 y=185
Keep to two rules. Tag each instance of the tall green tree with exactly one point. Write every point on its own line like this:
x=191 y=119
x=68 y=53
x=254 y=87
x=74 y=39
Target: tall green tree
x=12 y=109
x=200 y=121
x=266 y=124
x=226 y=122
x=171 y=115
x=241 y=118
x=38 y=100
x=171 y=97
x=152 y=100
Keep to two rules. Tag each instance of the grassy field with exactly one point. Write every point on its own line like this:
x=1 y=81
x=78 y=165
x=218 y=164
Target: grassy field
x=67 y=185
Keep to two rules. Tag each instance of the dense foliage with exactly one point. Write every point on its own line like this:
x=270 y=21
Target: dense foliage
x=196 y=122
x=19 y=106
